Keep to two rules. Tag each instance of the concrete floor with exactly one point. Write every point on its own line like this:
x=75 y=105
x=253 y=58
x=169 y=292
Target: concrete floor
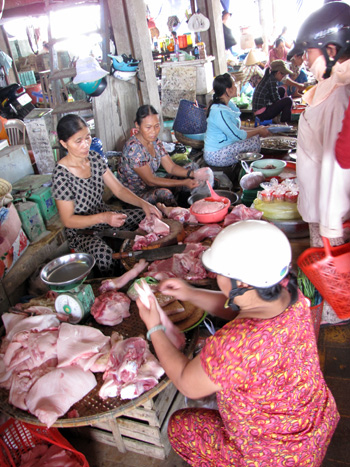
x=334 y=351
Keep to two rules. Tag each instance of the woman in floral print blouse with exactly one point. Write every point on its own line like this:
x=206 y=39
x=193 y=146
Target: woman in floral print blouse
x=274 y=407
x=143 y=154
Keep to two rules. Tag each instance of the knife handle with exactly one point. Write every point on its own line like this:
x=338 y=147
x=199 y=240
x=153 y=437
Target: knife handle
x=122 y=254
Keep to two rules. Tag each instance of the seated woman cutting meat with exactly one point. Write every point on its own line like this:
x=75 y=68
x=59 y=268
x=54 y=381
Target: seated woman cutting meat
x=143 y=154
x=77 y=185
x=224 y=138
x=274 y=407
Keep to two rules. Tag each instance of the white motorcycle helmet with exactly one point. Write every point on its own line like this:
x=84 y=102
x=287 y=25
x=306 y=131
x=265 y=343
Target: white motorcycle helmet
x=252 y=251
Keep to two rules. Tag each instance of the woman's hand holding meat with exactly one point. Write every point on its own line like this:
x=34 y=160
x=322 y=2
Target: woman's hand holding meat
x=114 y=219
x=150 y=210
x=149 y=316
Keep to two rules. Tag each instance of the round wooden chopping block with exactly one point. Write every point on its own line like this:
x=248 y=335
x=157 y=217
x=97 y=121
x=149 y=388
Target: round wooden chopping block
x=176 y=235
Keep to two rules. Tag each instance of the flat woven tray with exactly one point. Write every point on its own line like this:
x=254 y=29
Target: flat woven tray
x=129 y=262
x=92 y=408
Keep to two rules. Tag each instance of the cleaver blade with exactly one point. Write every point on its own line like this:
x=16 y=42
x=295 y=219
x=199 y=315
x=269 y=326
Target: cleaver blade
x=152 y=255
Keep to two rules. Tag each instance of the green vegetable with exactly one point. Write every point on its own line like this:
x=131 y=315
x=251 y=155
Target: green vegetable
x=180 y=159
x=308 y=288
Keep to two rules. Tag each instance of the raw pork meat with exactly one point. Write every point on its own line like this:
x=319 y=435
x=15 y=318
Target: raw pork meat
x=147 y=377
x=240 y=213
x=131 y=369
x=111 y=308
x=33 y=323
x=119 y=282
x=23 y=379
x=44 y=455
x=80 y=345
x=178 y=214
x=141 y=241
x=207 y=231
x=173 y=333
x=54 y=393
x=207 y=207
x=155 y=225
x=186 y=265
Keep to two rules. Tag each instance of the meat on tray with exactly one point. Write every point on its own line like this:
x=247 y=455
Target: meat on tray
x=131 y=369
x=45 y=399
x=206 y=231
x=177 y=213
x=207 y=207
x=30 y=355
x=155 y=225
x=110 y=308
x=240 y=213
x=155 y=229
x=80 y=345
x=142 y=241
x=186 y=265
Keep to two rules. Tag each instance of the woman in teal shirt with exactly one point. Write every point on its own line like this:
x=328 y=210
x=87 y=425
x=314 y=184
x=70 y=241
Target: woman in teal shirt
x=224 y=138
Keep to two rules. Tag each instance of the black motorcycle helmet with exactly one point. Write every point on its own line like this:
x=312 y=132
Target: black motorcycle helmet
x=328 y=25
x=100 y=88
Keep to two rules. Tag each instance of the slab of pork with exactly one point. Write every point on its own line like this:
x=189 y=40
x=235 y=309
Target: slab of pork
x=206 y=231
x=111 y=308
x=153 y=224
x=54 y=393
x=80 y=345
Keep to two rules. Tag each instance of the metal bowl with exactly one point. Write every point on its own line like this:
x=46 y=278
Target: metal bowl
x=233 y=197
x=249 y=156
x=67 y=272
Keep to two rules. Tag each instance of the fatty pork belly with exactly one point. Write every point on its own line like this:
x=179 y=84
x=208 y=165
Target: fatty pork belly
x=80 y=346
x=186 y=265
x=131 y=369
x=54 y=393
x=110 y=308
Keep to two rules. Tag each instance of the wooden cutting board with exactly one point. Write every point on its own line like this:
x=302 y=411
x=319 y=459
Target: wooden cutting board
x=176 y=235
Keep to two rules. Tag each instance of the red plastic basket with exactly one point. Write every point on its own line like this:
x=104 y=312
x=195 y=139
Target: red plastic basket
x=328 y=269
x=17 y=437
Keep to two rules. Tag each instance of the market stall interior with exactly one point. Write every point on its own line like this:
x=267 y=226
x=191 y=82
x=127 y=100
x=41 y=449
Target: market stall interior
x=55 y=297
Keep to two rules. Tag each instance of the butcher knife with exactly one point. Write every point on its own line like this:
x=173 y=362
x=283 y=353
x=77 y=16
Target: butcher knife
x=113 y=233
x=151 y=255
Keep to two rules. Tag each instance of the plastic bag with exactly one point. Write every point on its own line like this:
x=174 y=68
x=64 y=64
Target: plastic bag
x=133 y=295
x=198 y=23
x=279 y=210
x=204 y=174
x=251 y=179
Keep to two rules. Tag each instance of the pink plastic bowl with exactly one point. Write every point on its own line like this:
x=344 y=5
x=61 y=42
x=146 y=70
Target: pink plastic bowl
x=217 y=216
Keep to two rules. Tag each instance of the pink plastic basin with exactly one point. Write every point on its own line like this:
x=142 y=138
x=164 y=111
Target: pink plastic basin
x=217 y=216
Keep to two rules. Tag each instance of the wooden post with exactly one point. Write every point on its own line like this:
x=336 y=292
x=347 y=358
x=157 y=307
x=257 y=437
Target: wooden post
x=132 y=37
x=214 y=37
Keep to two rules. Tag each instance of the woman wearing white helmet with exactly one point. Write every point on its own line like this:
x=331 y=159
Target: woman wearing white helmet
x=324 y=198
x=274 y=407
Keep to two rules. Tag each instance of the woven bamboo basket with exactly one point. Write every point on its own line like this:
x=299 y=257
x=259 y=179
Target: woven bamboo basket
x=194 y=143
